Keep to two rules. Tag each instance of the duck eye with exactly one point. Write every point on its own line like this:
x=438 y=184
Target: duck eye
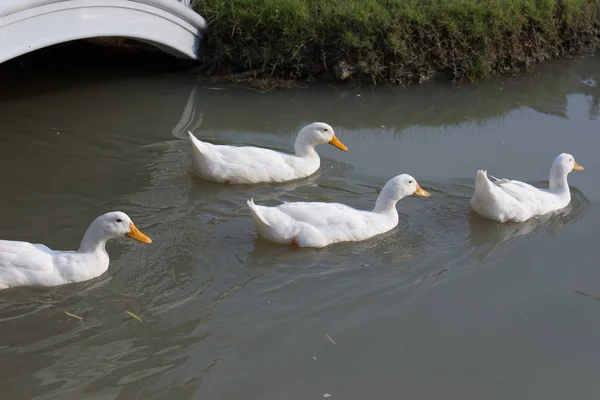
x=409 y=182
x=119 y=220
x=325 y=129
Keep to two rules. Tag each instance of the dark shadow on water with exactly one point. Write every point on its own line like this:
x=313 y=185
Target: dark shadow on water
x=77 y=63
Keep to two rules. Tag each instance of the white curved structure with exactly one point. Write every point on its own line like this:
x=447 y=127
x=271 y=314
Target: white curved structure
x=28 y=25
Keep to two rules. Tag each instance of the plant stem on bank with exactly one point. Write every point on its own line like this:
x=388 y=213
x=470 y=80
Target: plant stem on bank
x=392 y=41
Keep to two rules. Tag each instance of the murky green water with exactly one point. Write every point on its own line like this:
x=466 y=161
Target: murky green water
x=447 y=305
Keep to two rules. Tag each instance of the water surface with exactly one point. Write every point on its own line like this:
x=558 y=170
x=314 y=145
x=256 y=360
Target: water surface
x=447 y=305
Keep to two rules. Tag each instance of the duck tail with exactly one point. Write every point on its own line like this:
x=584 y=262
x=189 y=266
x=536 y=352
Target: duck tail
x=256 y=213
x=203 y=154
x=199 y=145
x=481 y=177
x=481 y=181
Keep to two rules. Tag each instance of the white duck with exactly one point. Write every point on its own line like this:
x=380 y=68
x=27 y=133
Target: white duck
x=311 y=224
x=32 y=264
x=231 y=164
x=506 y=200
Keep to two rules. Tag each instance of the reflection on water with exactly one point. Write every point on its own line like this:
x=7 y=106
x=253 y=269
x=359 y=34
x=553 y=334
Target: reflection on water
x=228 y=315
x=453 y=104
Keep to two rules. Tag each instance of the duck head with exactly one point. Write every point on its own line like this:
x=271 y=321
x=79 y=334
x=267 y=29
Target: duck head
x=405 y=185
x=565 y=163
x=319 y=133
x=115 y=224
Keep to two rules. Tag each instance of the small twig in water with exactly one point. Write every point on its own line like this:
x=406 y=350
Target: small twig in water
x=330 y=339
x=73 y=315
x=587 y=295
x=134 y=316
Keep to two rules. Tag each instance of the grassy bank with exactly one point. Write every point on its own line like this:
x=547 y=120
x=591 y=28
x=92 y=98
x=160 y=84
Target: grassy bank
x=391 y=40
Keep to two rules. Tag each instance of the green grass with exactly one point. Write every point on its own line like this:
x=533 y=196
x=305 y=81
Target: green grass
x=392 y=40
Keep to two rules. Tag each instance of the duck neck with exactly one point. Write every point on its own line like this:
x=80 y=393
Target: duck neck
x=93 y=241
x=558 y=181
x=386 y=203
x=304 y=148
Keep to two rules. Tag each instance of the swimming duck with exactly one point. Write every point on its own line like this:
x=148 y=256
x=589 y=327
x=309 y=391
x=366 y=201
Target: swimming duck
x=247 y=164
x=507 y=200
x=313 y=224
x=32 y=264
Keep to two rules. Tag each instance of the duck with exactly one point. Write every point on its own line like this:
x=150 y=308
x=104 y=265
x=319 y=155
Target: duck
x=33 y=264
x=506 y=200
x=248 y=164
x=317 y=224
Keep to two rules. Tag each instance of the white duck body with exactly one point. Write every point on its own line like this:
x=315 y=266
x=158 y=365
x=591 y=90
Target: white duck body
x=314 y=224
x=247 y=164
x=32 y=264
x=507 y=200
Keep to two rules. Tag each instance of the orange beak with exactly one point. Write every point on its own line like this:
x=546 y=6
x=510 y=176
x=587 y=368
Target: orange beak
x=336 y=142
x=135 y=233
x=577 y=167
x=421 y=192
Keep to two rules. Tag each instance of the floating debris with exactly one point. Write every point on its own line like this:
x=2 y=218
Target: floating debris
x=330 y=339
x=587 y=295
x=591 y=82
x=73 y=315
x=314 y=358
x=134 y=316
x=326 y=395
